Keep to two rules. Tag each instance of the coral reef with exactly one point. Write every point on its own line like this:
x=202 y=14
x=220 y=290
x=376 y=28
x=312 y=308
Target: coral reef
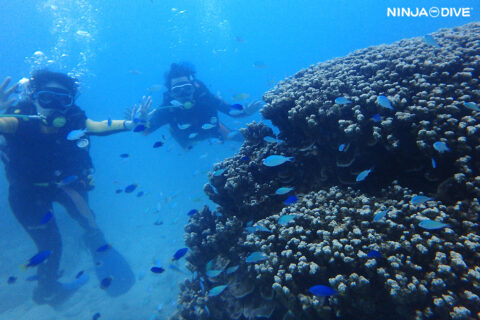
x=426 y=142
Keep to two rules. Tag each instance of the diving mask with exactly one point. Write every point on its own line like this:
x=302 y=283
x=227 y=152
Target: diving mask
x=54 y=100
x=185 y=89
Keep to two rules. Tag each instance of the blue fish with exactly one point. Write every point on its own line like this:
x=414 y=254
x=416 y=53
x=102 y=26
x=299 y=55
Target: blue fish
x=183 y=126
x=219 y=172
x=192 y=212
x=362 y=175
x=231 y=269
x=420 y=199
x=434 y=164
x=46 y=217
x=11 y=280
x=158 y=144
x=430 y=40
x=38 y=258
x=256 y=256
x=284 y=220
x=179 y=254
x=207 y=126
x=109 y=122
x=276 y=160
x=290 y=200
x=32 y=278
x=217 y=290
x=118 y=191
x=272 y=139
x=237 y=106
x=103 y=247
x=433 y=225
x=209 y=265
x=251 y=229
x=322 y=291
x=261 y=228
x=379 y=216
x=245 y=158
x=174 y=267
x=75 y=134
x=441 y=146
x=124 y=155
x=471 y=105
x=341 y=147
x=373 y=254
x=130 y=188
x=342 y=100
x=259 y=64
x=140 y=193
x=139 y=128
x=284 y=190
x=157 y=269
x=106 y=282
x=377 y=118
x=213 y=273
x=79 y=274
x=68 y=180
x=96 y=316
x=384 y=102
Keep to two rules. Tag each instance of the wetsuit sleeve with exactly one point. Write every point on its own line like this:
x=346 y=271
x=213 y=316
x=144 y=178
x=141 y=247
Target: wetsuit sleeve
x=8 y=125
x=218 y=103
x=222 y=106
x=158 y=118
x=103 y=128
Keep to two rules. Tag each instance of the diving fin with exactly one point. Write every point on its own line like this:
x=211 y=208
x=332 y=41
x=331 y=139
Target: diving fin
x=110 y=264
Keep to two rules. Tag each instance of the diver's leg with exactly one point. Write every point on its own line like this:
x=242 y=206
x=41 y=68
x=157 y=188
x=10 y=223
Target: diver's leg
x=29 y=206
x=109 y=263
x=76 y=203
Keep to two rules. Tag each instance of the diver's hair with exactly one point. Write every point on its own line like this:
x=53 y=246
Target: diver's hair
x=40 y=78
x=182 y=69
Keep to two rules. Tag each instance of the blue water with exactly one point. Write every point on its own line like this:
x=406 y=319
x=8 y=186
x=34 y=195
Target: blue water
x=120 y=48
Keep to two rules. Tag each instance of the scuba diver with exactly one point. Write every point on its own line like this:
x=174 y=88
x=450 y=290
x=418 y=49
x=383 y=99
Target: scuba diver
x=46 y=159
x=191 y=109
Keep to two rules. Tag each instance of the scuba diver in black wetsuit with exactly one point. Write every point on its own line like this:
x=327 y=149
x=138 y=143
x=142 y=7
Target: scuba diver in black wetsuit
x=191 y=109
x=46 y=158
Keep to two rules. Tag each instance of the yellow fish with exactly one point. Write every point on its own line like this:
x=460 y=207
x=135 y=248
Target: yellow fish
x=240 y=96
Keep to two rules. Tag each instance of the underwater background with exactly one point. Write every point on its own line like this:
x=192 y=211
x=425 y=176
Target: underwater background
x=120 y=51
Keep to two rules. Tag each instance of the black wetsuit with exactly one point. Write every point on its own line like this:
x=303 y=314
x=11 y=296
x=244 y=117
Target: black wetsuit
x=203 y=113
x=36 y=163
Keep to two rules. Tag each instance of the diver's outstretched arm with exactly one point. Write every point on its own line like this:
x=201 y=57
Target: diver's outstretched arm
x=138 y=115
x=107 y=127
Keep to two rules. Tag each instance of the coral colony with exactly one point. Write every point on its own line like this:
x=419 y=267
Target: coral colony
x=400 y=243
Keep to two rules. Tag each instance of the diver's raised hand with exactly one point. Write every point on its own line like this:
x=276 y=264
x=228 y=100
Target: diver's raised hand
x=139 y=112
x=143 y=111
x=253 y=107
x=5 y=102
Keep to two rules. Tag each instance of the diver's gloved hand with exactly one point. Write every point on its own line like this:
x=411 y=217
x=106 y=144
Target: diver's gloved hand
x=5 y=102
x=253 y=107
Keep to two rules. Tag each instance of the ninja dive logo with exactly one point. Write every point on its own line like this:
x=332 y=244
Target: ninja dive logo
x=432 y=12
